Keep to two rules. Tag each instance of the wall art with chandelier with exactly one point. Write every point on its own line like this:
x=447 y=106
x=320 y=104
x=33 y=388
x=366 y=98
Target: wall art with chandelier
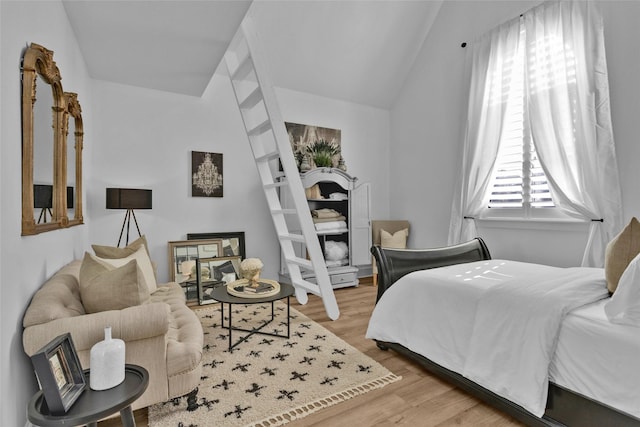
x=206 y=174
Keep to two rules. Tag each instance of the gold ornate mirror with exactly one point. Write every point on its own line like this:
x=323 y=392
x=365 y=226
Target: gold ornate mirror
x=46 y=112
x=73 y=139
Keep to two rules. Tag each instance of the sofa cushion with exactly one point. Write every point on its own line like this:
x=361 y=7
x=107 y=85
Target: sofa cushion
x=184 y=338
x=58 y=298
x=144 y=263
x=113 y=252
x=106 y=287
x=620 y=251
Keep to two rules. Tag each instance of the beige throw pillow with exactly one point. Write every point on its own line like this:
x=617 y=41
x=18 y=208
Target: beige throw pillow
x=620 y=251
x=113 y=252
x=104 y=287
x=144 y=263
x=397 y=240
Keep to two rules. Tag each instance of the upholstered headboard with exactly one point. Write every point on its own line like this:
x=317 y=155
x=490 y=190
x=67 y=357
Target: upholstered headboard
x=395 y=263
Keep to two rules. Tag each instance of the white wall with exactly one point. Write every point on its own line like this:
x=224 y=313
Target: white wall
x=27 y=261
x=143 y=139
x=365 y=138
x=428 y=121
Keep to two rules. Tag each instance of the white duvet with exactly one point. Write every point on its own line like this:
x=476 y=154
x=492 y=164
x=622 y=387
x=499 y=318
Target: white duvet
x=495 y=322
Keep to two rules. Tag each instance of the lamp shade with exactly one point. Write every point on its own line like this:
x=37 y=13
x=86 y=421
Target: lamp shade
x=43 y=196
x=128 y=198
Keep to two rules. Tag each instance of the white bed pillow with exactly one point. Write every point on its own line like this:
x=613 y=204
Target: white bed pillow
x=624 y=306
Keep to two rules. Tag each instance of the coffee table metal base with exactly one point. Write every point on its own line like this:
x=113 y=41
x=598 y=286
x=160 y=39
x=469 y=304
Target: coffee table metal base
x=252 y=331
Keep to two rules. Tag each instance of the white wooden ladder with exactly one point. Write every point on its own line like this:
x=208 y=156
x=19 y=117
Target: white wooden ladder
x=272 y=150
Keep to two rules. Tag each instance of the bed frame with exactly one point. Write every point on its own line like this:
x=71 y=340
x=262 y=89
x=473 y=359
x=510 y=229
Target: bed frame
x=564 y=407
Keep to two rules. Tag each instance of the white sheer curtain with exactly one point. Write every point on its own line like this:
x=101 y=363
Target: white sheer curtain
x=492 y=58
x=570 y=117
x=568 y=104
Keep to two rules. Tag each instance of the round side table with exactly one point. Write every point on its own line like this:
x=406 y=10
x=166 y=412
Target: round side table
x=94 y=405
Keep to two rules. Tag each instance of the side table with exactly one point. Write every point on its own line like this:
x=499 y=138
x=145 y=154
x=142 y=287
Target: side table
x=94 y=405
x=220 y=294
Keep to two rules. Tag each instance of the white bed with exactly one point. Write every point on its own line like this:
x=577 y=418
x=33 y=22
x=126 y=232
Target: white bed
x=459 y=317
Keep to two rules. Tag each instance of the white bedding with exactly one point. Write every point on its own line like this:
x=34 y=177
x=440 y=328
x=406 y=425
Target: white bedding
x=437 y=321
x=599 y=359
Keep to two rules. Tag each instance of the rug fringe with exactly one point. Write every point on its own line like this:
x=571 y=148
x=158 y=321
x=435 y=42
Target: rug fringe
x=309 y=408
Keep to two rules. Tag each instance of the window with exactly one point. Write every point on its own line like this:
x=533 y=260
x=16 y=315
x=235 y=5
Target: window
x=518 y=180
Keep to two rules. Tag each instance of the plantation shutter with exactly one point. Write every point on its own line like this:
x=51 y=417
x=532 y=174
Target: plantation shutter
x=518 y=178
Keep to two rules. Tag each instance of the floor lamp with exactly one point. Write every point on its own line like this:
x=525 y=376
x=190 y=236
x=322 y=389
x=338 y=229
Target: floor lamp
x=129 y=199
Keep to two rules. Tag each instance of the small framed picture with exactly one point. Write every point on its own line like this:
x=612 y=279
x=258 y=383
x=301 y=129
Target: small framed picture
x=214 y=272
x=59 y=374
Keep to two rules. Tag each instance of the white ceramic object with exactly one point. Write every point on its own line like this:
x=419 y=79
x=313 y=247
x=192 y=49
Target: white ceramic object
x=106 y=362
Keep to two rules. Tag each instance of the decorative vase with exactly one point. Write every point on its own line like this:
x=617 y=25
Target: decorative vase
x=305 y=166
x=342 y=165
x=106 y=362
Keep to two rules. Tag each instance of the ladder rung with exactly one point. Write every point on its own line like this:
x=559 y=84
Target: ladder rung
x=254 y=97
x=293 y=237
x=284 y=211
x=268 y=156
x=261 y=128
x=275 y=185
x=244 y=68
x=302 y=262
x=307 y=286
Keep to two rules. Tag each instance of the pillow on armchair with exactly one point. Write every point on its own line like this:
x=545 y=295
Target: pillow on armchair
x=395 y=232
x=397 y=240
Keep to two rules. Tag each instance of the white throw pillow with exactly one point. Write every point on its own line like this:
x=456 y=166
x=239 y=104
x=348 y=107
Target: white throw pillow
x=144 y=263
x=624 y=305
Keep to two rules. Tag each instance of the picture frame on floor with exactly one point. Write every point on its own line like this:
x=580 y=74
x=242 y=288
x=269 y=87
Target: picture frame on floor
x=233 y=243
x=214 y=272
x=183 y=255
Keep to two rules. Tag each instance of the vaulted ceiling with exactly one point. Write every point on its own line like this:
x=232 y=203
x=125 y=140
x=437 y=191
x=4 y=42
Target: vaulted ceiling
x=358 y=51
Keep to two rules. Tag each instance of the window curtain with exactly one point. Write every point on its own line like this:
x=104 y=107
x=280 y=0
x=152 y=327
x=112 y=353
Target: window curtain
x=568 y=101
x=570 y=117
x=492 y=57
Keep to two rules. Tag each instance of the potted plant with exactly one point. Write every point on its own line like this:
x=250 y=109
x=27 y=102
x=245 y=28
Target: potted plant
x=322 y=153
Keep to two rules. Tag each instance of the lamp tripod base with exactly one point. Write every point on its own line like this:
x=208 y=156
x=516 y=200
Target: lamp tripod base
x=127 y=221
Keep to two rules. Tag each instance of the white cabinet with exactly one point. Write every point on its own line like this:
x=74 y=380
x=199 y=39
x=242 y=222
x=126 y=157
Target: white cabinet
x=330 y=192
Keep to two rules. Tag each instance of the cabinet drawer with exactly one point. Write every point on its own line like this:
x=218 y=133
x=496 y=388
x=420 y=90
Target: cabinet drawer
x=337 y=279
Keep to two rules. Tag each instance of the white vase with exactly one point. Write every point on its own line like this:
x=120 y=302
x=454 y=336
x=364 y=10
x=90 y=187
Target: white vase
x=106 y=362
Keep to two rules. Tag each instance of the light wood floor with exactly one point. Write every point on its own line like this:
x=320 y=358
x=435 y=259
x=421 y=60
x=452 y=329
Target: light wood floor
x=419 y=399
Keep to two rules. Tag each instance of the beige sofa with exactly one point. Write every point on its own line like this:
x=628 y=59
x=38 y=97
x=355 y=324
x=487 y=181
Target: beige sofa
x=163 y=335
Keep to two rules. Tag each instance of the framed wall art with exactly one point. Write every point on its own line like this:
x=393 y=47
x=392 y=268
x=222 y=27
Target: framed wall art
x=303 y=137
x=206 y=174
x=59 y=374
x=232 y=242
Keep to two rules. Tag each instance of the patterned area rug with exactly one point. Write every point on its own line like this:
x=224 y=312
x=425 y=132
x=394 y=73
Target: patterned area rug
x=269 y=381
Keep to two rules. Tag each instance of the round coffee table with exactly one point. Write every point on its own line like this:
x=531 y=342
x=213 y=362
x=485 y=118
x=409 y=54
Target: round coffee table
x=93 y=405
x=221 y=295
